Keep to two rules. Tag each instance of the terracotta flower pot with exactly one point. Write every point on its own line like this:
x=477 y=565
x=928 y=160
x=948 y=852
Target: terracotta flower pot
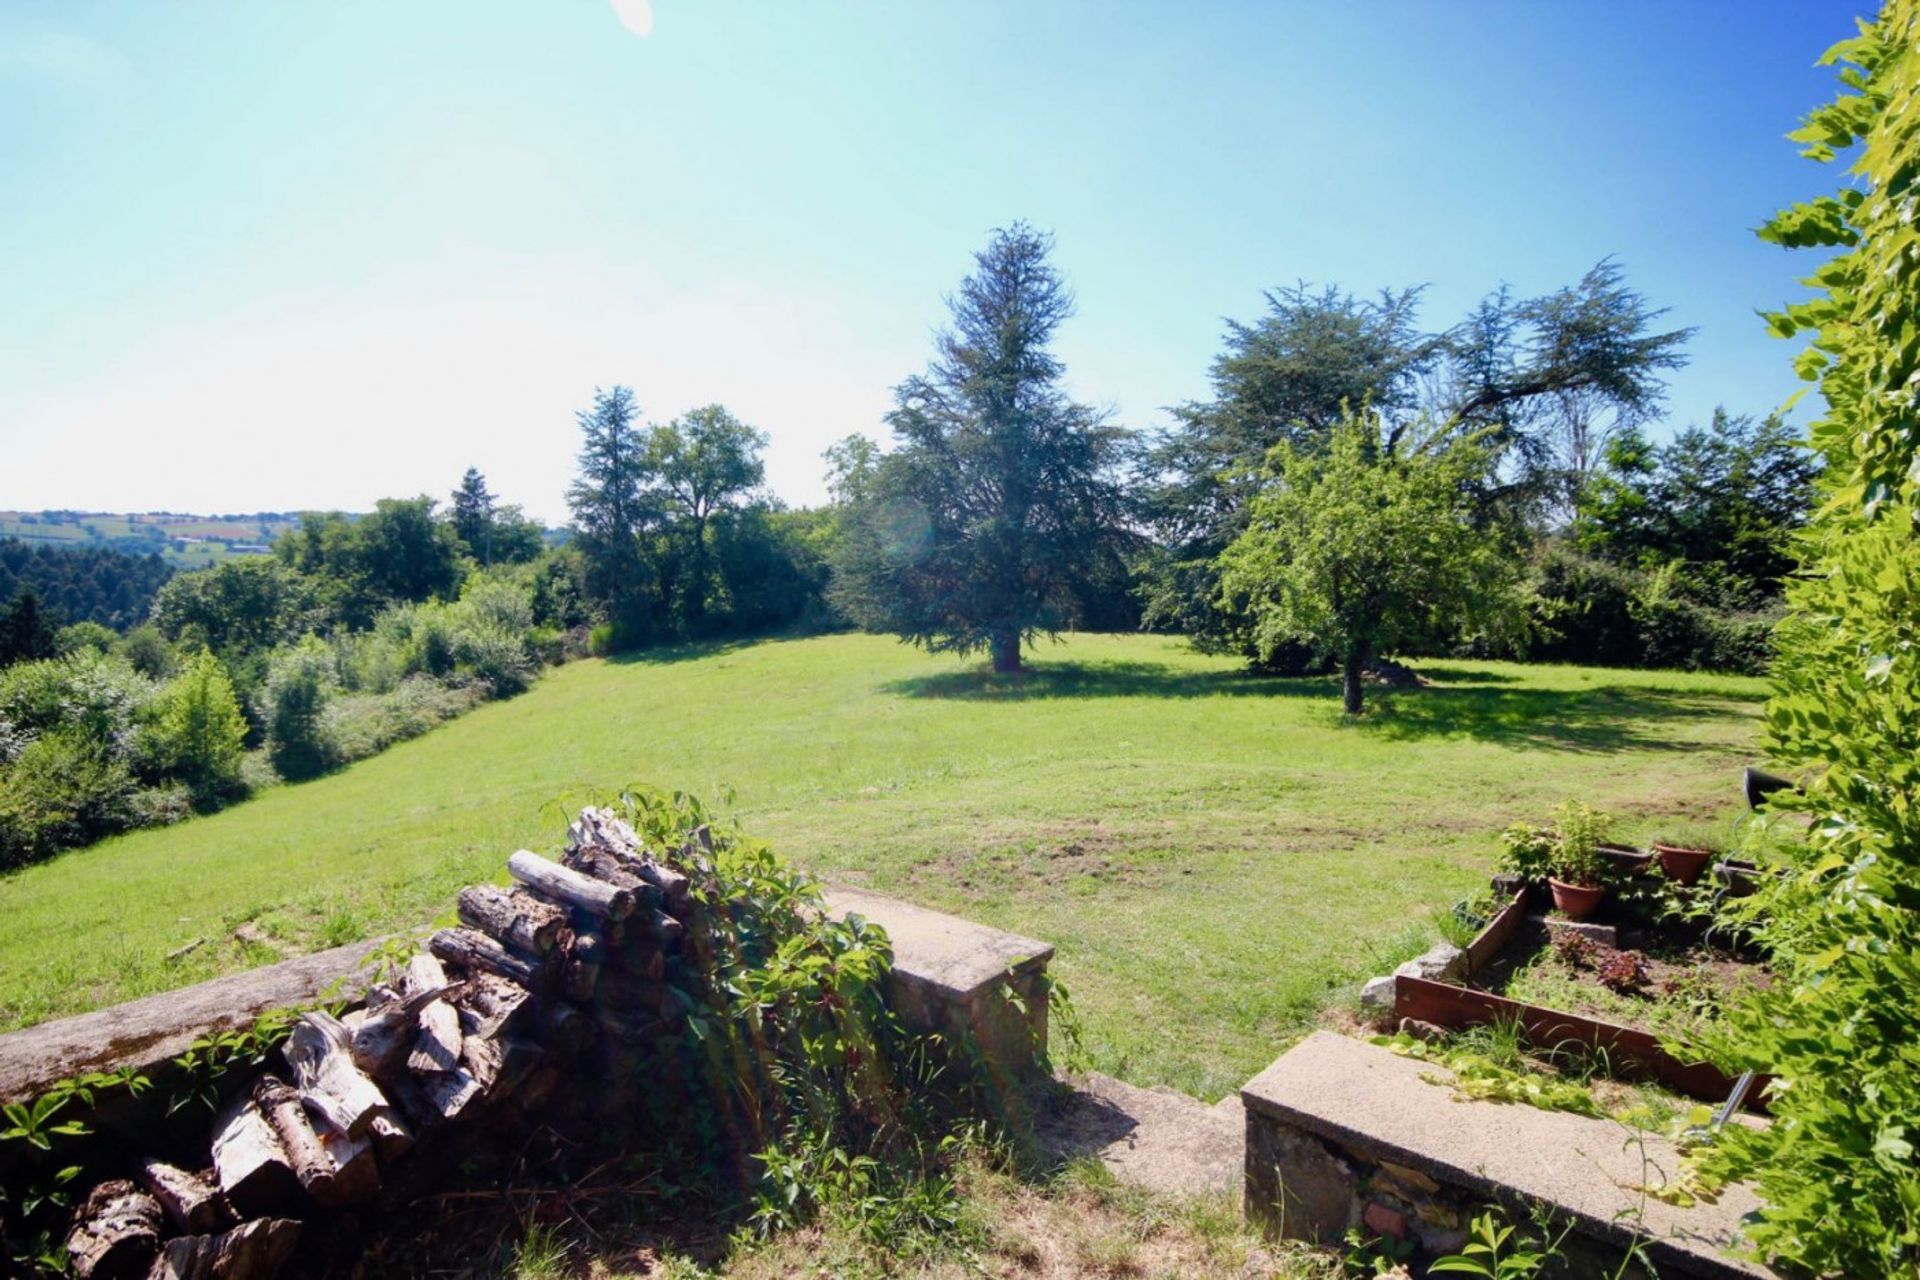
x=1576 y=901
x=1682 y=864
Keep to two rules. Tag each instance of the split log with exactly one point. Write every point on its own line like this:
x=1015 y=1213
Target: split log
x=320 y=1051
x=192 y=1203
x=356 y=1172
x=381 y=1037
x=498 y=1066
x=537 y=1090
x=563 y=884
x=601 y=864
x=391 y=1138
x=475 y=952
x=513 y=917
x=251 y=1251
x=437 y=1046
x=437 y=1099
x=249 y=1163
x=492 y=1006
x=115 y=1233
x=602 y=829
x=280 y=1104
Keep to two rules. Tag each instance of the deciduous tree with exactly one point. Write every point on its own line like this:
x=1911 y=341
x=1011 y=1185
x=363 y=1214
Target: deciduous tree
x=1353 y=549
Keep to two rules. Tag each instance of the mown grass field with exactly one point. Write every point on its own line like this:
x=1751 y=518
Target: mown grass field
x=1214 y=855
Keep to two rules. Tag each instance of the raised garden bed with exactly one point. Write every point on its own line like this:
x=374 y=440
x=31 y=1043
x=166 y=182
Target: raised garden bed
x=1616 y=985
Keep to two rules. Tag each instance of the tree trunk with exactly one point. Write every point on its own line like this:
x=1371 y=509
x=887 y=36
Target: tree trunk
x=1006 y=649
x=1350 y=687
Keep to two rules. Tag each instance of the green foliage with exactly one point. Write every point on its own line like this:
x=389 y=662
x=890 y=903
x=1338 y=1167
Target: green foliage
x=237 y=608
x=149 y=653
x=397 y=552
x=1577 y=835
x=1484 y=1078
x=1584 y=610
x=84 y=635
x=108 y=587
x=1543 y=379
x=1356 y=550
x=1727 y=497
x=1527 y=852
x=300 y=682
x=1001 y=494
x=197 y=730
x=63 y=789
x=1492 y=1253
x=1839 y=1026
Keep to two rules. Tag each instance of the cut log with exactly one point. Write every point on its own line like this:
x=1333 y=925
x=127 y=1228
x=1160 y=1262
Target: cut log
x=320 y=1051
x=249 y=1163
x=630 y=1026
x=628 y=993
x=567 y=1030
x=475 y=952
x=116 y=1232
x=437 y=1046
x=191 y=1202
x=254 y=1250
x=513 y=917
x=585 y=954
x=564 y=884
x=644 y=960
x=663 y=930
x=382 y=1037
x=538 y=1088
x=676 y=890
x=280 y=1104
x=603 y=865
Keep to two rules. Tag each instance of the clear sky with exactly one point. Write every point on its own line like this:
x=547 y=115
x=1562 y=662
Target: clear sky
x=264 y=256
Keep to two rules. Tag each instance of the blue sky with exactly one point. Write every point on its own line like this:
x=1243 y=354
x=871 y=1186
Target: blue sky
x=269 y=256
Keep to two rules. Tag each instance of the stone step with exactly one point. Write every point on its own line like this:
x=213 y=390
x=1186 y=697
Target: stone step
x=1342 y=1132
x=1156 y=1138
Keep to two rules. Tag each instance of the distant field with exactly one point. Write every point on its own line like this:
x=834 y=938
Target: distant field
x=1214 y=855
x=187 y=541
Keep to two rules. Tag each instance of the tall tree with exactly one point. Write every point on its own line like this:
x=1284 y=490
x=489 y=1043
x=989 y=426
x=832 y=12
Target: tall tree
x=1354 y=549
x=697 y=465
x=610 y=507
x=1001 y=492
x=472 y=515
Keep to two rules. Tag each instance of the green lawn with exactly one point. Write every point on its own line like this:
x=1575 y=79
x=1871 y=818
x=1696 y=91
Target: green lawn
x=1213 y=854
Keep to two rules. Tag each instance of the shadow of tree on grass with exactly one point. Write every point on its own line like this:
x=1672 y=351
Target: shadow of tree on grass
x=1459 y=702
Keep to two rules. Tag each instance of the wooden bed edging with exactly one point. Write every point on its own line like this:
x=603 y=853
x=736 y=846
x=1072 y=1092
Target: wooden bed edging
x=1459 y=1007
x=1498 y=932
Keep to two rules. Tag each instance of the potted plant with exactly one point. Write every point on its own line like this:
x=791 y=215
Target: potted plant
x=1579 y=868
x=1683 y=862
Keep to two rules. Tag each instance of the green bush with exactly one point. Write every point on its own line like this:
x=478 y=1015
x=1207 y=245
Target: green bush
x=356 y=726
x=148 y=652
x=99 y=696
x=300 y=683
x=63 y=789
x=84 y=635
x=1839 y=1027
x=196 y=732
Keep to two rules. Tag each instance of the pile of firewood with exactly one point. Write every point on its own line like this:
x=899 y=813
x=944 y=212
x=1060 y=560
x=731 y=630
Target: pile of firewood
x=487 y=1019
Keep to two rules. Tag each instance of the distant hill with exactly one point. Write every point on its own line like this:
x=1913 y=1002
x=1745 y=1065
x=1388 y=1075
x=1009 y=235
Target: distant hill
x=183 y=541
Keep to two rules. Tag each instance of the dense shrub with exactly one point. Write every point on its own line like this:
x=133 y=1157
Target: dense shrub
x=300 y=682
x=1589 y=611
x=84 y=635
x=149 y=652
x=197 y=731
x=96 y=696
x=357 y=725
x=1839 y=1027
x=63 y=789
